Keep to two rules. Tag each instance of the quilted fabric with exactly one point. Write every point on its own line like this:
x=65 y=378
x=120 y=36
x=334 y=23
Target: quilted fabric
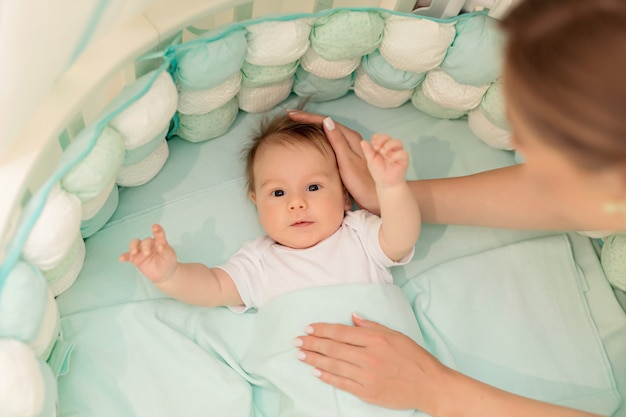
x=320 y=89
x=347 y=34
x=475 y=57
x=260 y=76
x=384 y=74
x=149 y=115
x=370 y=92
x=613 y=260
x=429 y=107
x=97 y=220
x=491 y=134
x=201 y=127
x=53 y=234
x=89 y=177
x=142 y=172
x=61 y=277
x=22 y=303
x=204 y=101
x=492 y=105
x=133 y=156
x=203 y=65
x=275 y=43
x=260 y=99
x=415 y=45
x=50 y=329
x=444 y=90
x=323 y=68
x=22 y=386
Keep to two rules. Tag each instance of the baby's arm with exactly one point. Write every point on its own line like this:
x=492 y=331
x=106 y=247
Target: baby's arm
x=387 y=161
x=190 y=283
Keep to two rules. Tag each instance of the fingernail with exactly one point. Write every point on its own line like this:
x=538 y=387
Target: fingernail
x=301 y=355
x=291 y=111
x=317 y=372
x=297 y=342
x=357 y=316
x=329 y=124
x=308 y=330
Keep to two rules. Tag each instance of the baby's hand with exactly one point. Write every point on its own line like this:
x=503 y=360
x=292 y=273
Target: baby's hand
x=387 y=160
x=154 y=257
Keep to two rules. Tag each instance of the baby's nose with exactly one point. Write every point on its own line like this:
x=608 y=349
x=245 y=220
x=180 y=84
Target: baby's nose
x=297 y=204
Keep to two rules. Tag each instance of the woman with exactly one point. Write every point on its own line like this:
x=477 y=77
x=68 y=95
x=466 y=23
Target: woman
x=564 y=70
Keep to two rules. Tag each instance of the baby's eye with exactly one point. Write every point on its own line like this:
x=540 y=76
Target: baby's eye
x=278 y=193
x=313 y=187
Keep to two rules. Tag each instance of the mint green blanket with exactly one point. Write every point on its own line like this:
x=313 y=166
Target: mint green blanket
x=529 y=312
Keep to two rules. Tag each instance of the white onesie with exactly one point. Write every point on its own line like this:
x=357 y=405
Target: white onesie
x=263 y=269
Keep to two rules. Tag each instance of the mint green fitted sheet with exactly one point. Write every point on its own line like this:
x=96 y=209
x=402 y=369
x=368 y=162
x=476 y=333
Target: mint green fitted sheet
x=484 y=298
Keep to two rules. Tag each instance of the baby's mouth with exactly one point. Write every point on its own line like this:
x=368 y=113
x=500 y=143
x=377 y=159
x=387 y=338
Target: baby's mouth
x=302 y=223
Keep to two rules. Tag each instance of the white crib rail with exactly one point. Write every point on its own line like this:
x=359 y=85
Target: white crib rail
x=104 y=68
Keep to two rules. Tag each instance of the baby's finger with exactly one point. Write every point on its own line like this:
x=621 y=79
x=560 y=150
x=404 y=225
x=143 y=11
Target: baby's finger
x=147 y=246
x=379 y=139
x=159 y=236
x=390 y=146
x=134 y=247
x=125 y=257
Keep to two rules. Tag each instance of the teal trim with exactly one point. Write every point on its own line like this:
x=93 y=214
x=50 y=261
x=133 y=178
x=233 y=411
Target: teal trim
x=175 y=124
x=64 y=139
x=35 y=205
x=91 y=29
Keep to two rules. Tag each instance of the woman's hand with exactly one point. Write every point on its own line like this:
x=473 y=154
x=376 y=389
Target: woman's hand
x=153 y=256
x=350 y=159
x=375 y=363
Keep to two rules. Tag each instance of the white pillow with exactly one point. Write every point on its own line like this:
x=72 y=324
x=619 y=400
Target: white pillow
x=443 y=89
x=53 y=234
x=415 y=45
x=145 y=118
x=277 y=42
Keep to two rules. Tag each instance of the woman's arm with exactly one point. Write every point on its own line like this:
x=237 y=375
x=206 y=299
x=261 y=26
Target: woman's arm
x=387 y=368
x=506 y=197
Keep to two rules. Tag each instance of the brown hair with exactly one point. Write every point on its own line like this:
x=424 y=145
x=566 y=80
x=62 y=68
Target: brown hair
x=281 y=130
x=565 y=75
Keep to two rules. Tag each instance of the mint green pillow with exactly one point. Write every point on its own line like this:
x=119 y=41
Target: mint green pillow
x=23 y=300
x=347 y=34
x=90 y=226
x=475 y=56
x=201 y=127
x=614 y=260
x=384 y=74
x=202 y=65
x=429 y=107
x=92 y=174
x=260 y=75
x=493 y=107
x=133 y=156
x=321 y=89
x=62 y=276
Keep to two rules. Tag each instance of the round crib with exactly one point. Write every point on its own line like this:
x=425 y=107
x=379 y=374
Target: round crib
x=147 y=125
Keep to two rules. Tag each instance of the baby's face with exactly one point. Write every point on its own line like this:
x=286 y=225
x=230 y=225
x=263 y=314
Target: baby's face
x=298 y=194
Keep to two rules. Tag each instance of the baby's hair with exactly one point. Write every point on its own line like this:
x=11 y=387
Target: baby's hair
x=281 y=130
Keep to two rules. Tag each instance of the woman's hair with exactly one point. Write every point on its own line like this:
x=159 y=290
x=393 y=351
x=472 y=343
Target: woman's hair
x=565 y=75
x=281 y=130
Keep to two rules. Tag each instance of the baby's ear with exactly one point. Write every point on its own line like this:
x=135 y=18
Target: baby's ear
x=252 y=196
x=347 y=201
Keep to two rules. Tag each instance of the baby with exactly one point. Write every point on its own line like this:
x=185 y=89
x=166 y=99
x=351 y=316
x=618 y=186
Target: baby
x=312 y=236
